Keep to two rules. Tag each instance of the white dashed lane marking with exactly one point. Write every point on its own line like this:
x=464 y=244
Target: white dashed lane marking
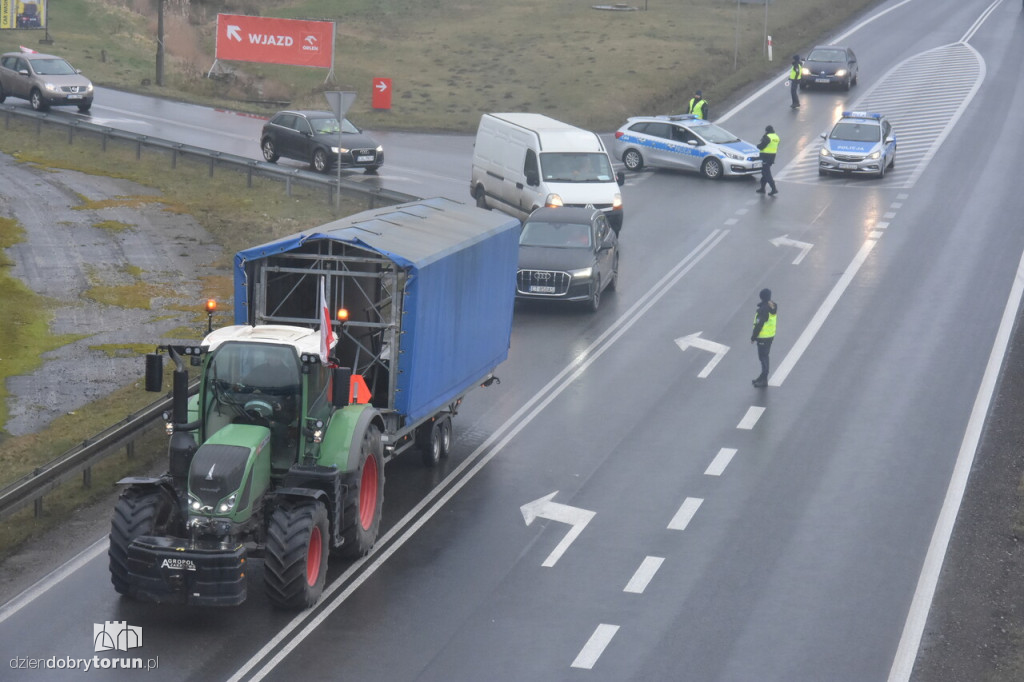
x=923 y=97
x=721 y=460
x=685 y=514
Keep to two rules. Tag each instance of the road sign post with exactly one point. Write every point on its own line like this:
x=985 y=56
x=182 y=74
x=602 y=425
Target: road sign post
x=340 y=103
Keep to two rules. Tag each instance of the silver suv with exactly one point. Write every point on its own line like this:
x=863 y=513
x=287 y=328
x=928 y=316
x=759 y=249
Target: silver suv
x=44 y=80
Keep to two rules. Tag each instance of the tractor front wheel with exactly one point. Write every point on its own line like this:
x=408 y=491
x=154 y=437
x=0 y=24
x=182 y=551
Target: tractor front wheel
x=295 y=568
x=138 y=512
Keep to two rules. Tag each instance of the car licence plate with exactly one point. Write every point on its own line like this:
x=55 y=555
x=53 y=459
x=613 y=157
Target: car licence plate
x=74 y=97
x=821 y=80
x=847 y=166
x=537 y=289
x=757 y=164
x=364 y=159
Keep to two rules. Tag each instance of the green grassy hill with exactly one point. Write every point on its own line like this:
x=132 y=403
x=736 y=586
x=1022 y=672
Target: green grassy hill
x=451 y=61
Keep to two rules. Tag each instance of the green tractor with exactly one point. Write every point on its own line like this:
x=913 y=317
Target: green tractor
x=284 y=468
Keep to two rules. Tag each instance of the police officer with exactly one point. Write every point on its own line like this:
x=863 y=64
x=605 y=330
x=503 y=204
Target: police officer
x=764 y=334
x=795 y=75
x=769 y=146
x=698 y=106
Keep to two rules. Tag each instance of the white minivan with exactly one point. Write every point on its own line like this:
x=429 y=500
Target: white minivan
x=522 y=162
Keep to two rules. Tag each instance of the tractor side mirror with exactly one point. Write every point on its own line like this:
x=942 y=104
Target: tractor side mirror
x=154 y=372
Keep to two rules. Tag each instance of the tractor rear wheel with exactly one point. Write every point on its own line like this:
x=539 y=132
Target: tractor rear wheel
x=138 y=512
x=365 y=497
x=295 y=568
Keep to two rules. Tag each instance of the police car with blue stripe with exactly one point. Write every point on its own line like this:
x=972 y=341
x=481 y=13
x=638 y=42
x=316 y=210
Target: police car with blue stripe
x=684 y=141
x=861 y=142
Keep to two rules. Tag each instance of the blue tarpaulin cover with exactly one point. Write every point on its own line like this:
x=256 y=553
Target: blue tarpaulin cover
x=461 y=264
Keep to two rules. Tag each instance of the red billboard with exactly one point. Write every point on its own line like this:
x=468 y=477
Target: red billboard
x=275 y=41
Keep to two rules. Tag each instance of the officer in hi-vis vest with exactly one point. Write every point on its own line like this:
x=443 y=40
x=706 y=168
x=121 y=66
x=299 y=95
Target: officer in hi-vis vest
x=698 y=106
x=764 y=334
x=769 y=146
x=796 y=74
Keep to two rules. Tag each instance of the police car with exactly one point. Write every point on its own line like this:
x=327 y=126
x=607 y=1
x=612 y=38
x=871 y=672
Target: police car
x=684 y=141
x=861 y=142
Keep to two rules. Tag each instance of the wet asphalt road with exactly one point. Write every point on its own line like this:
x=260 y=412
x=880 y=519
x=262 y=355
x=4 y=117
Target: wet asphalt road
x=736 y=534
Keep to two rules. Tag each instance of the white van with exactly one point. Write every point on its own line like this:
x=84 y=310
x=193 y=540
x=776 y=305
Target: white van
x=522 y=162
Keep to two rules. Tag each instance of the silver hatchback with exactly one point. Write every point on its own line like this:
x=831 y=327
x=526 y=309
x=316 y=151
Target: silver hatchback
x=44 y=80
x=687 y=142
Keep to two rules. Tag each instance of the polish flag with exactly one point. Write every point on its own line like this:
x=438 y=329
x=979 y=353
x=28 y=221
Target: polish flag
x=327 y=339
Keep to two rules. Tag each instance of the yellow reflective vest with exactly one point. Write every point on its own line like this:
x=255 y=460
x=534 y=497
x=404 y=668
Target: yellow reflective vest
x=697 y=107
x=773 y=144
x=768 y=330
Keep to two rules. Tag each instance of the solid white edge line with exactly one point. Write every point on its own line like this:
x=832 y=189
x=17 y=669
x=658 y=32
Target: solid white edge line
x=54 y=577
x=499 y=438
x=595 y=646
x=644 y=574
x=913 y=629
x=812 y=328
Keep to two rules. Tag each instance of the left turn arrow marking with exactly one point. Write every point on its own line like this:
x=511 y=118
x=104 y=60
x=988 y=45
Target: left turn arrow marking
x=563 y=513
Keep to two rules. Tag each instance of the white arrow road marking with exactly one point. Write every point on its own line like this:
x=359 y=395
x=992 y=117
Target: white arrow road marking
x=685 y=514
x=720 y=461
x=233 y=32
x=574 y=516
x=595 y=646
x=644 y=574
x=784 y=240
x=696 y=341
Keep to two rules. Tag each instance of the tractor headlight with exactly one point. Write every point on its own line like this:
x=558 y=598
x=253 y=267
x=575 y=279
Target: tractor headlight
x=227 y=504
x=194 y=503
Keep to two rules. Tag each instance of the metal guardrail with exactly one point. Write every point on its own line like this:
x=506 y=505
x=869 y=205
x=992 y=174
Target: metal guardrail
x=32 y=487
x=80 y=459
x=376 y=196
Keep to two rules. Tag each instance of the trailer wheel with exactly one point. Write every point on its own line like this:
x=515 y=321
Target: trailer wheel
x=365 y=498
x=428 y=438
x=295 y=569
x=138 y=512
x=445 y=427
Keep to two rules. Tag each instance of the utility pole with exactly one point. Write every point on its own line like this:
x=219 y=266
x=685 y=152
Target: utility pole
x=160 y=43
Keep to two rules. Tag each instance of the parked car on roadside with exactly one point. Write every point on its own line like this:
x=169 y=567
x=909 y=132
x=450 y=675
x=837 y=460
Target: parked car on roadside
x=567 y=254
x=313 y=137
x=829 y=65
x=44 y=80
